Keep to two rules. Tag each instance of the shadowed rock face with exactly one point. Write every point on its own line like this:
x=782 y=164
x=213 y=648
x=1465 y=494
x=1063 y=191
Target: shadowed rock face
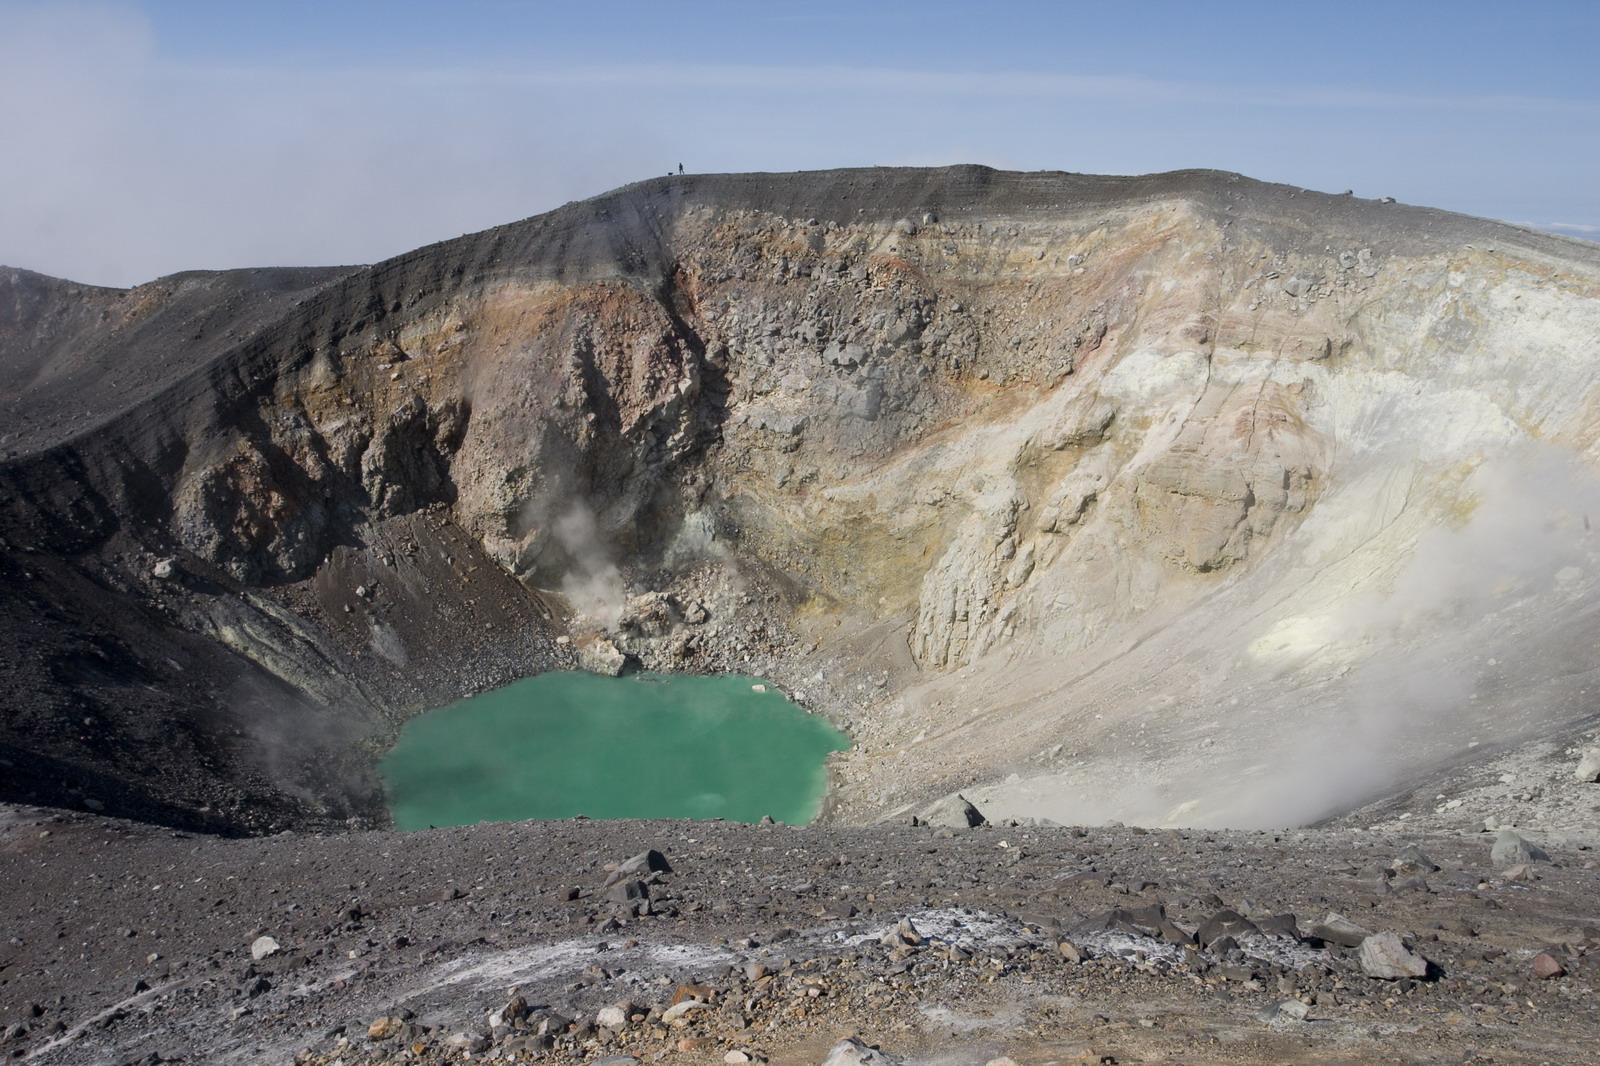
x=1177 y=498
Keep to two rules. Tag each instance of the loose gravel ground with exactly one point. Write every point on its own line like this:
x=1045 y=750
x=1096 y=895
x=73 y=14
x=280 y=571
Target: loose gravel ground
x=130 y=943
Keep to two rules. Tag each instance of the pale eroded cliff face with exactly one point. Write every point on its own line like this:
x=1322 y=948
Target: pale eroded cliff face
x=1174 y=499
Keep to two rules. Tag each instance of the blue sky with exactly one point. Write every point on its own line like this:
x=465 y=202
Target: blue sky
x=146 y=137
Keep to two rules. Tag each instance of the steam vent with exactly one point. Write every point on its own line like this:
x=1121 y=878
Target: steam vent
x=1181 y=500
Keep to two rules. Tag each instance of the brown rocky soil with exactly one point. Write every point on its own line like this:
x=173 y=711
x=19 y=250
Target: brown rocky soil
x=131 y=943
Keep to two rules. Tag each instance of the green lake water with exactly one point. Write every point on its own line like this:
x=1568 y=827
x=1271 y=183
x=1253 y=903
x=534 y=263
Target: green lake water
x=643 y=746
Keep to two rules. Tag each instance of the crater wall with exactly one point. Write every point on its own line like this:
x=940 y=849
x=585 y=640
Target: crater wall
x=1178 y=498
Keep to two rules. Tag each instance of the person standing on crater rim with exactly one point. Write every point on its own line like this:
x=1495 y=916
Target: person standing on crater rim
x=680 y=168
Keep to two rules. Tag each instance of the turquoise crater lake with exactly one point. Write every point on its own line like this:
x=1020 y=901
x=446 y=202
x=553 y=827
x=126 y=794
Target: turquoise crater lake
x=643 y=746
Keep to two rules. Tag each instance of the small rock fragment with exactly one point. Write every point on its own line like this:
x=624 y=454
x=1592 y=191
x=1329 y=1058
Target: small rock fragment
x=1293 y=1008
x=627 y=891
x=511 y=1013
x=1589 y=766
x=646 y=862
x=1337 y=929
x=854 y=1052
x=1287 y=1010
x=1546 y=966
x=649 y=615
x=953 y=812
x=384 y=1028
x=701 y=993
x=615 y=1016
x=602 y=657
x=904 y=934
x=1224 y=923
x=1511 y=847
x=678 y=1010
x=472 y=1043
x=1279 y=925
x=264 y=946
x=1385 y=955
x=1411 y=862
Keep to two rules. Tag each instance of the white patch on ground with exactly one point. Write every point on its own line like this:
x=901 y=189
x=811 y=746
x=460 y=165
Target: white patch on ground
x=1150 y=375
x=1161 y=956
x=968 y=930
x=501 y=969
x=958 y=1022
x=145 y=1002
x=1281 y=951
x=1144 y=952
x=975 y=931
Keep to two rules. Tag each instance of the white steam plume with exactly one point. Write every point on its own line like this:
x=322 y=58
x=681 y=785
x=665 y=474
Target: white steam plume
x=1480 y=640
x=593 y=583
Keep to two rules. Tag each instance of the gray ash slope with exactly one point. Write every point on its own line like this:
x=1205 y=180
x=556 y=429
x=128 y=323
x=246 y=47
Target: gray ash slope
x=739 y=378
x=135 y=944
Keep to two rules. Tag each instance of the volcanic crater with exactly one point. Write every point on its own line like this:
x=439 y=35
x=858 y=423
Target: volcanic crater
x=1184 y=501
x=1024 y=480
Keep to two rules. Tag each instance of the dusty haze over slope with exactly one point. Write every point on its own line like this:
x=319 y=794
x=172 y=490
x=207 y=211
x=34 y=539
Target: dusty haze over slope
x=1180 y=499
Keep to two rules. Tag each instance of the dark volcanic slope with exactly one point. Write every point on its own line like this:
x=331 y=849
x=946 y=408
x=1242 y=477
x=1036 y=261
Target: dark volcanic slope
x=72 y=356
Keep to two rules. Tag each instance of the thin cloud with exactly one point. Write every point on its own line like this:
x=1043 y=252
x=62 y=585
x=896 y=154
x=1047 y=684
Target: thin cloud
x=834 y=80
x=1575 y=229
